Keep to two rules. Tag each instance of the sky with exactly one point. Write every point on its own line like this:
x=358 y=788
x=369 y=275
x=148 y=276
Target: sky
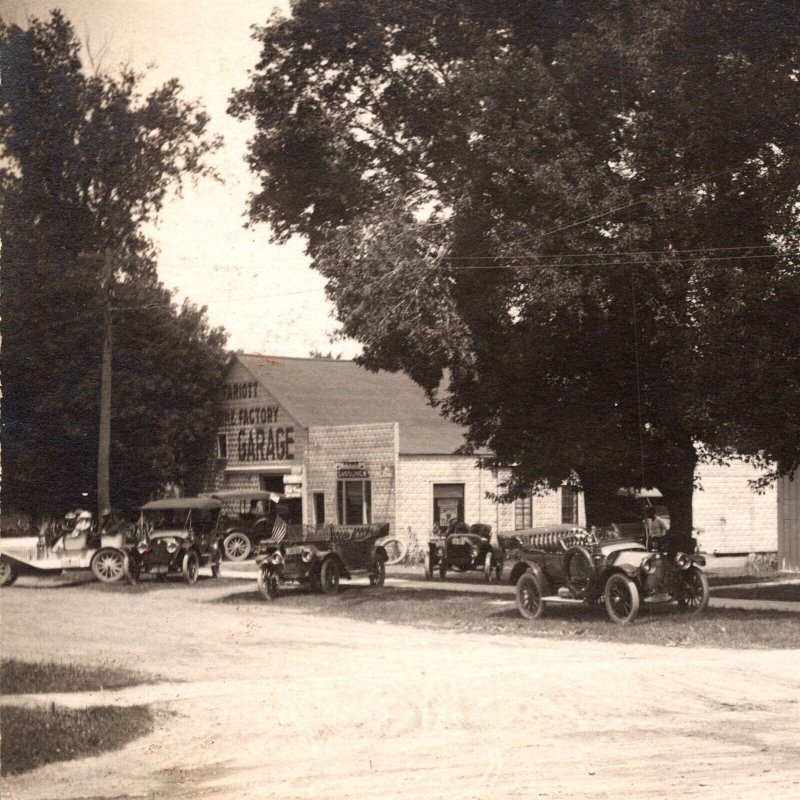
x=266 y=296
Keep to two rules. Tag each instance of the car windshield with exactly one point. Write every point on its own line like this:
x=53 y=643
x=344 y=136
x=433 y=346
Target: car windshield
x=167 y=518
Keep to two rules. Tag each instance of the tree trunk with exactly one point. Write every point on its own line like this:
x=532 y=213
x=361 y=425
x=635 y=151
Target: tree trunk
x=676 y=483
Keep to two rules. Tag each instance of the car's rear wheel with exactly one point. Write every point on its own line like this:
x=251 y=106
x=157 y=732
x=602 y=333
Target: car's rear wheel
x=621 y=599
x=378 y=575
x=428 y=568
x=190 y=567
x=237 y=546
x=268 y=583
x=108 y=565
x=529 y=593
x=693 y=592
x=578 y=571
x=8 y=572
x=329 y=576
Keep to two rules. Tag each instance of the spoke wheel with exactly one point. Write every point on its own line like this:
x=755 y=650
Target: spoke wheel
x=428 y=568
x=108 y=565
x=622 y=599
x=529 y=596
x=236 y=546
x=378 y=575
x=8 y=573
x=329 y=576
x=268 y=583
x=693 y=592
x=190 y=567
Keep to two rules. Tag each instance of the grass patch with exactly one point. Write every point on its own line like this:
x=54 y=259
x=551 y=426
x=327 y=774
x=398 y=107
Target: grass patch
x=788 y=592
x=24 y=677
x=477 y=612
x=32 y=737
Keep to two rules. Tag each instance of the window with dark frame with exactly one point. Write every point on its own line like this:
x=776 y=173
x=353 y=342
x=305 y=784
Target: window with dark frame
x=354 y=502
x=222 y=445
x=523 y=513
x=569 y=505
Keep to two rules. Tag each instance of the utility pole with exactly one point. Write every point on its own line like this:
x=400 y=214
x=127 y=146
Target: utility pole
x=104 y=444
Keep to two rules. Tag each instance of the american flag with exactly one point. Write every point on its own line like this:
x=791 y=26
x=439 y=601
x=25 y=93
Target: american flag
x=278 y=530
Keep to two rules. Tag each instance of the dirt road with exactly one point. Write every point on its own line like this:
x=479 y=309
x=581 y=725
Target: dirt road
x=260 y=702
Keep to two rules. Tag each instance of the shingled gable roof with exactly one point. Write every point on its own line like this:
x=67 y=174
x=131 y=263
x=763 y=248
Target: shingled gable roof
x=318 y=391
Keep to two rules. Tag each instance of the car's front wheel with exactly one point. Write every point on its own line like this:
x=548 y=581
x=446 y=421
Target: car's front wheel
x=621 y=599
x=329 y=576
x=8 y=572
x=237 y=546
x=268 y=583
x=216 y=563
x=190 y=567
x=693 y=592
x=108 y=565
x=428 y=567
x=378 y=575
x=530 y=596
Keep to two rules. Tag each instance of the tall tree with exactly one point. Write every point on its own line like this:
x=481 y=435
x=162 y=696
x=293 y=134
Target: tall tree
x=586 y=212
x=87 y=162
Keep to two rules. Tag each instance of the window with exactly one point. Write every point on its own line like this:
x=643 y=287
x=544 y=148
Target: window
x=319 y=508
x=222 y=445
x=569 y=505
x=448 y=503
x=523 y=513
x=354 y=502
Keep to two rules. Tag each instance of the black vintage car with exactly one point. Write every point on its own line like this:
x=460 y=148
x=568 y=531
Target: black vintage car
x=320 y=557
x=177 y=536
x=568 y=564
x=248 y=516
x=461 y=548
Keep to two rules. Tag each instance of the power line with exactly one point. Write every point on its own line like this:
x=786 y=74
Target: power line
x=605 y=255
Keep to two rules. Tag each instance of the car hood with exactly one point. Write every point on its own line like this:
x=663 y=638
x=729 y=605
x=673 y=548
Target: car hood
x=607 y=548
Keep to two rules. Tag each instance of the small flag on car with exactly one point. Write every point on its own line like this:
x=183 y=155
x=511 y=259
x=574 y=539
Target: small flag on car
x=278 y=530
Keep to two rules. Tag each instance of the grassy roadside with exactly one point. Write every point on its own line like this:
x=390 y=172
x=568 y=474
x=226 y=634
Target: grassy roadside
x=32 y=737
x=477 y=612
x=24 y=677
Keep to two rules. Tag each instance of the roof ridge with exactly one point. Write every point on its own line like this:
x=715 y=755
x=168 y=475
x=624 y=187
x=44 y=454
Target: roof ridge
x=298 y=358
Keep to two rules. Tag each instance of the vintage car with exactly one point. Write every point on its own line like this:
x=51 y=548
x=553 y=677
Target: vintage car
x=320 y=557
x=78 y=546
x=463 y=548
x=244 y=529
x=177 y=536
x=568 y=564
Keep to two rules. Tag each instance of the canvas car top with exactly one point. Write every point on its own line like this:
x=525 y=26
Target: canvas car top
x=246 y=494
x=167 y=503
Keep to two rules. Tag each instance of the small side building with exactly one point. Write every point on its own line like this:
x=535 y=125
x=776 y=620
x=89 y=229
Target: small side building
x=789 y=524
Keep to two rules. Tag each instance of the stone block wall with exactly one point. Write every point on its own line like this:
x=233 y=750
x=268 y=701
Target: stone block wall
x=374 y=445
x=733 y=518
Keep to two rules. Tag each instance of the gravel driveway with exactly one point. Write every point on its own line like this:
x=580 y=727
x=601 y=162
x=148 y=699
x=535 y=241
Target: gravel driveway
x=258 y=701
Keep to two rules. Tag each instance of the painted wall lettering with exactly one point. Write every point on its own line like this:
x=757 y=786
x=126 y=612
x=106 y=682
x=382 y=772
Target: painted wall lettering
x=240 y=391
x=272 y=444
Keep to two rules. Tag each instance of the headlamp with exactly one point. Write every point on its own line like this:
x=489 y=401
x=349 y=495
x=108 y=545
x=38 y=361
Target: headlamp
x=307 y=554
x=276 y=558
x=143 y=547
x=682 y=561
x=172 y=545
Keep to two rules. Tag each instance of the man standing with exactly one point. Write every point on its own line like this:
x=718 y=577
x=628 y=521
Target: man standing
x=655 y=526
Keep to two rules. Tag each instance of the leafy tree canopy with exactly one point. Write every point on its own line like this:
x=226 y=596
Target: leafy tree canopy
x=587 y=213
x=87 y=161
